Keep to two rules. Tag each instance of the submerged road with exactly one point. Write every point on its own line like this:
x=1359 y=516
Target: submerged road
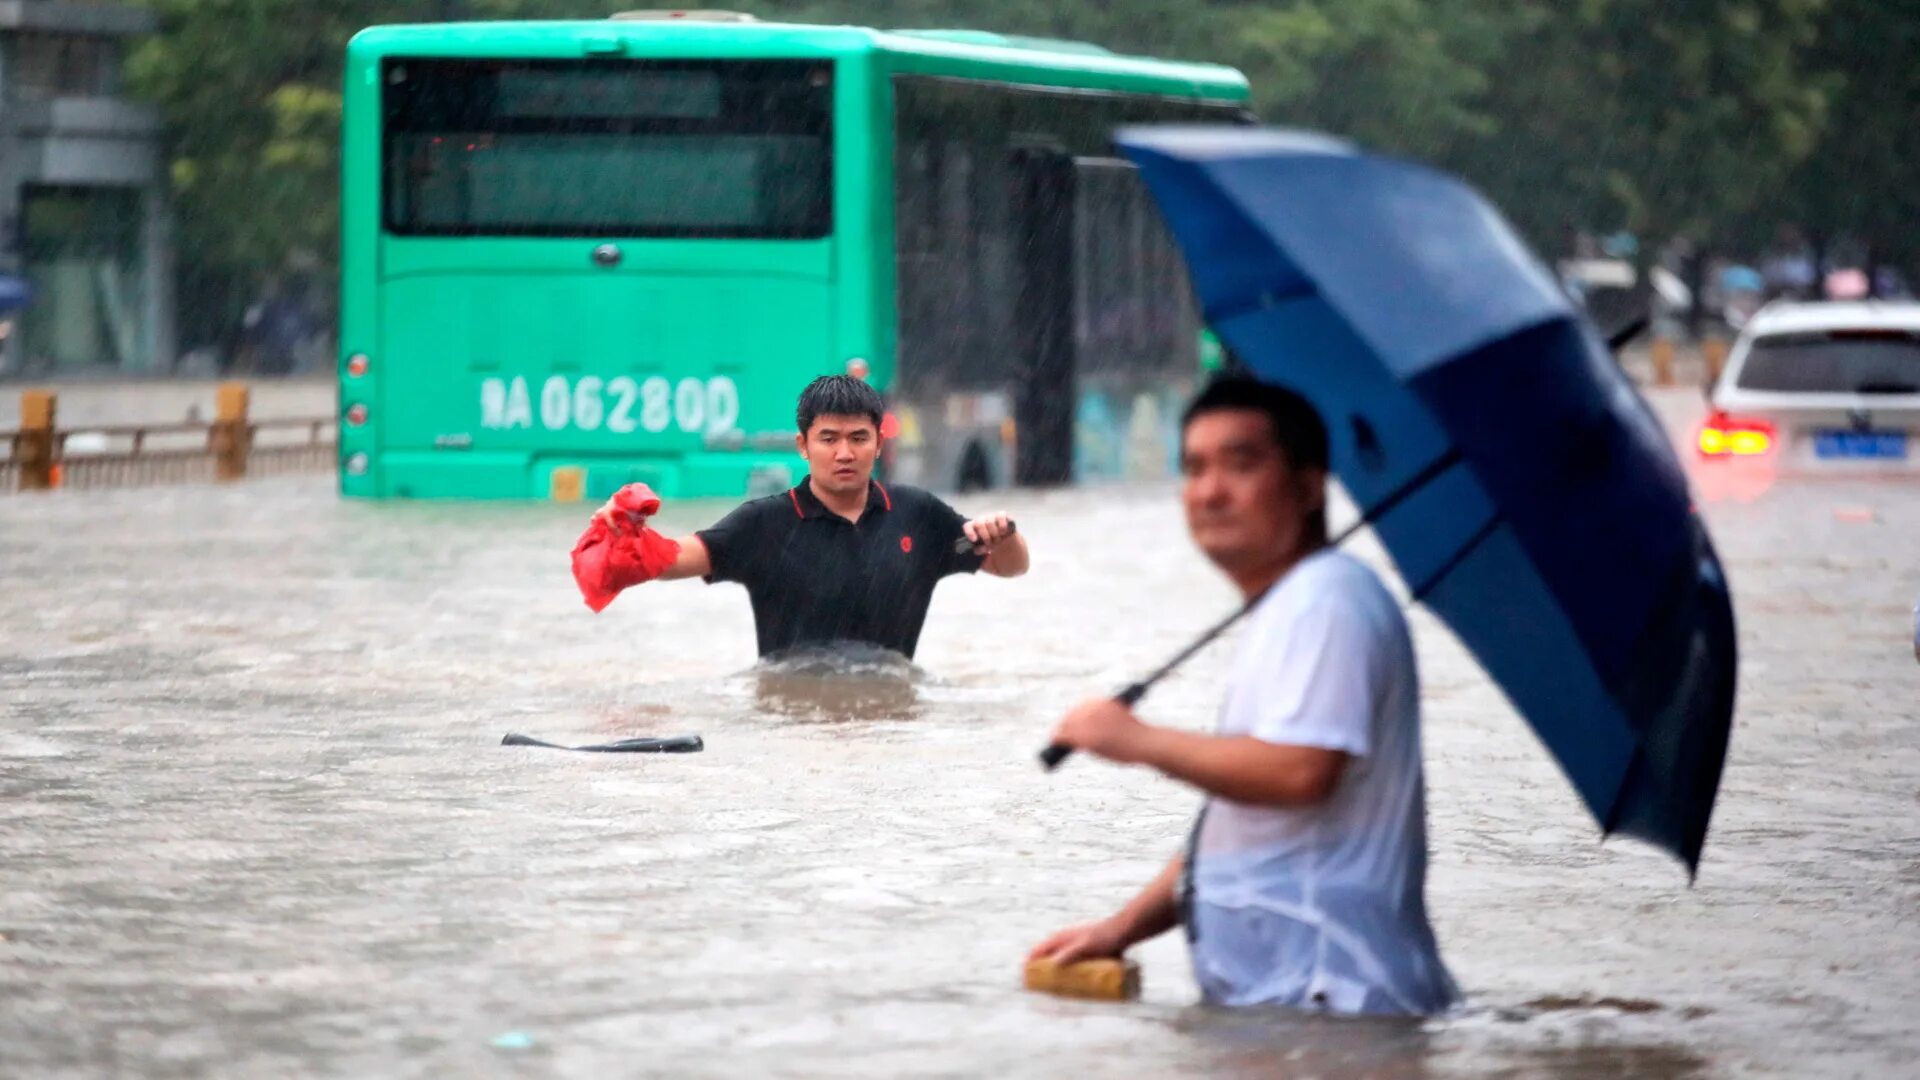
x=255 y=818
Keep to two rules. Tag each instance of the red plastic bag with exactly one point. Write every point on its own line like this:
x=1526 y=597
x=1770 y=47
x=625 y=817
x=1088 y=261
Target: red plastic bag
x=607 y=560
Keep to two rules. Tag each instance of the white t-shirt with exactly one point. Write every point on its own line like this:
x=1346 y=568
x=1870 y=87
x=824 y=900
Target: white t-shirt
x=1323 y=907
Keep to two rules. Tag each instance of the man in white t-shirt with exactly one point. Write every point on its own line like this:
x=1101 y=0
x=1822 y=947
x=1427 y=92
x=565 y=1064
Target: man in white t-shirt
x=1309 y=864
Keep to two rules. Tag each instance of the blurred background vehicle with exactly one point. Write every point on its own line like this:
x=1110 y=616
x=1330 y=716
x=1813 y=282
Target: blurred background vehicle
x=1821 y=386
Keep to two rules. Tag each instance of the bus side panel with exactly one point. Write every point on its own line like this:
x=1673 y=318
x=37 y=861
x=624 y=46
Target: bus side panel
x=976 y=362
x=862 y=211
x=880 y=255
x=359 y=268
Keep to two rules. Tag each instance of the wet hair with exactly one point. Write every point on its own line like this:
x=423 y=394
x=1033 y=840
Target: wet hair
x=837 y=395
x=1296 y=424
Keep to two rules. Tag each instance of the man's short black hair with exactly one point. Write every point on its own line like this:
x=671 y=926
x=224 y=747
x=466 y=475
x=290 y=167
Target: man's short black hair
x=1297 y=426
x=838 y=395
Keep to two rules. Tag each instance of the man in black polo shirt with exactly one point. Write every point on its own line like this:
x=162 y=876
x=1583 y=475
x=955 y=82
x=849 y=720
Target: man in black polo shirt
x=840 y=557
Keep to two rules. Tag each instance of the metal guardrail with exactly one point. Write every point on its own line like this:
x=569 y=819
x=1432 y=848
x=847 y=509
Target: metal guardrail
x=42 y=456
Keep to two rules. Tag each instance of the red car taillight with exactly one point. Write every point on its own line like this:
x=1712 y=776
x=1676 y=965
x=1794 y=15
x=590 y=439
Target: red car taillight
x=1732 y=436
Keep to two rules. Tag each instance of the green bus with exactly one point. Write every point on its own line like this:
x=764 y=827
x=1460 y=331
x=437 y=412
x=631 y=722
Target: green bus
x=577 y=254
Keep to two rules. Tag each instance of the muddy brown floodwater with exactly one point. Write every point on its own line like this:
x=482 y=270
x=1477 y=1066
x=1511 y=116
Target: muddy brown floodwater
x=255 y=818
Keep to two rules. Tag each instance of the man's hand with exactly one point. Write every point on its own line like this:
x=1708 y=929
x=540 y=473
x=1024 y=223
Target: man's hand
x=618 y=518
x=610 y=515
x=1103 y=727
x=1086 y=941
x=987 y=531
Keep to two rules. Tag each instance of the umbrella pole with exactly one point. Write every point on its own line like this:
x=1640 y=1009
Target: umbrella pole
x=1056 y=753
x=1619 y=338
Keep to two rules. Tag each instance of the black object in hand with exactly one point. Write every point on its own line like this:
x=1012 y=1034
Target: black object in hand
x=962 y=545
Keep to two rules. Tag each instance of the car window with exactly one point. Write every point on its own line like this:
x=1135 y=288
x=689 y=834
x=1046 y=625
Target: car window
x=1836 y=362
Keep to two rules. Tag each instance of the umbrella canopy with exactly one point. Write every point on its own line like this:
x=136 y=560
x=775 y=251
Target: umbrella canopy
x=1526 y=493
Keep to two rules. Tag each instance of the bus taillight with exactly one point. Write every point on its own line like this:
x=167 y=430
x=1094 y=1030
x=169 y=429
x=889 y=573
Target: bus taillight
x=357 y=365
x=356 y=415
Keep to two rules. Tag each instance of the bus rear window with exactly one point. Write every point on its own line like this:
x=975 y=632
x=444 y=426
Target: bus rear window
x=1842 y=362
x=609 y=148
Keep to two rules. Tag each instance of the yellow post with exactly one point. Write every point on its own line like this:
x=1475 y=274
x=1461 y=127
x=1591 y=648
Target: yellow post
x=229 y=439
x=1662 y=362
x=567 y=483
x=1714 y=349
x=33 y=447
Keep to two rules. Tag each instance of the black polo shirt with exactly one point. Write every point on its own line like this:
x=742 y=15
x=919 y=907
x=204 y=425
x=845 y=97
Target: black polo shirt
x=815 y=577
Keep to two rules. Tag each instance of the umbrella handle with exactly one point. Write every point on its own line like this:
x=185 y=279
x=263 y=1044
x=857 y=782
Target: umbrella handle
x=1055 y=753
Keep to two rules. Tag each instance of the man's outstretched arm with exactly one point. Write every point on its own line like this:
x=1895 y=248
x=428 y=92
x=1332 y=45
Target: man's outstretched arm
x=693 y=560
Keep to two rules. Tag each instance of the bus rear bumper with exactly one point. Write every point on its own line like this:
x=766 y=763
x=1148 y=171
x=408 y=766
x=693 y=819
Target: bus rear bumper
x=569 y=478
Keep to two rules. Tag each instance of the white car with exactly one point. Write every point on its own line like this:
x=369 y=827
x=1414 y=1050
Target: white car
x=1820 y=387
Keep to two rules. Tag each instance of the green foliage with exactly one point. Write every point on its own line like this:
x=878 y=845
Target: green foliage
x=1657 y=117
x=1861 y=177
x=251 y=100
x=1713 y=119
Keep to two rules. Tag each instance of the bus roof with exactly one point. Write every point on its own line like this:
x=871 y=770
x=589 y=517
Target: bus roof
x=957 y=53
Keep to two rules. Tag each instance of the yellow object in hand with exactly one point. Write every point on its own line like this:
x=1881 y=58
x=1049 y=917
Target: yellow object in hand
x=1103 y=979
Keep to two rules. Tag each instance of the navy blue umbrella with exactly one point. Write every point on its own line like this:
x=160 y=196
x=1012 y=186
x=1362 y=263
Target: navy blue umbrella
x=1524 y=490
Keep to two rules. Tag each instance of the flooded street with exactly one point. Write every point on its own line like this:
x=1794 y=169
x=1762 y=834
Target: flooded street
x=255 y=818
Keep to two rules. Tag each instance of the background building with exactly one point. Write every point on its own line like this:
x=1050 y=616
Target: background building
x=84 y=221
